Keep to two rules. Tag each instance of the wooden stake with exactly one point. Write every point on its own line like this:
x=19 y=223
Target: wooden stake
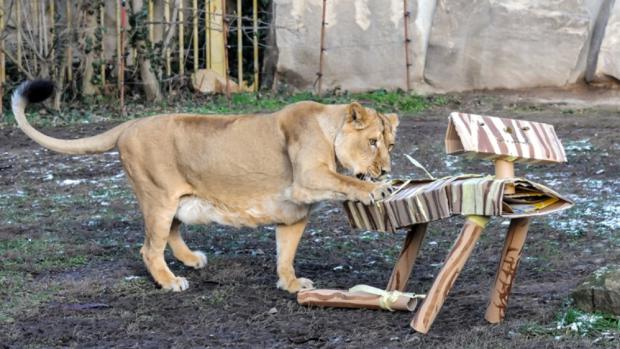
x=102 y=53
x=150 y=15
x=69 y=48
x=195 y=33
x=255 y=42
x=505 y=169
x=2 y=61
x=167 y=26
x=507 y=269
x=181 y=40
x=239 y=46
x=207 y=34
x=320 y=73
x=460 y=252
x=225 y=36
x=406 y=259
x=18 y=9
x=407 y=40
x=121 y=65
x=53 y=37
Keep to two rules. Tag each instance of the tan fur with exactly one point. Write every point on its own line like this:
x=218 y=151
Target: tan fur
x=244 y=170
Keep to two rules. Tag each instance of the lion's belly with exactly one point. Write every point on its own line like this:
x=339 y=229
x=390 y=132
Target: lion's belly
x=194 y=210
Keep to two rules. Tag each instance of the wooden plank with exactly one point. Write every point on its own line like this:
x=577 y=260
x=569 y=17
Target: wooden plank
x=406 y=259
x=507 y=269
x=458 y=255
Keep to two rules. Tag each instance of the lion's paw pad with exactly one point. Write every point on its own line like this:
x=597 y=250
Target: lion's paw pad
x=178 y=284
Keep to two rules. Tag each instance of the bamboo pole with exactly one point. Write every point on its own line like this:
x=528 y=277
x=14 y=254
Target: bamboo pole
x=225 y=37
x=121 y=61
x=458 y=255
x=181 y=39
x=53 y=37
x=167 y=26
x=195 y=33
x=119 y=54
x=255 y=41
x=507 y=269
x=320 y=73
x=207 y=34
x=239 y=46
x=2 y=69
x=406 y=259
x=150 y=19
x=407 y=14
x=102 y=53
x=69 y=48
x=19 y=31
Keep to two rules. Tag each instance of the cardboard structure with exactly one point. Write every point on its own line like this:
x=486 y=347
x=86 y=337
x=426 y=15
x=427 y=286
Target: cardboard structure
x=415 y=203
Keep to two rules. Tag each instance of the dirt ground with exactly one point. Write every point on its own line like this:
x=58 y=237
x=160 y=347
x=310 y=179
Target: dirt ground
x=71 y=274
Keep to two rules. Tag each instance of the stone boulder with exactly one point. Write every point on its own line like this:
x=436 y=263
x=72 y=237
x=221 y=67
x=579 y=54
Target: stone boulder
x=600 y=291
x=608 y=65
x=512 y=44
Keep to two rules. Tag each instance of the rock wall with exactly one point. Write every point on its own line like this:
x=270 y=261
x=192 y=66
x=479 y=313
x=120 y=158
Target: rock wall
x=455 y=45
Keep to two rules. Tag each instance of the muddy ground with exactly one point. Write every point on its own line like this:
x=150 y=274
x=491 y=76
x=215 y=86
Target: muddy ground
x=71 y=274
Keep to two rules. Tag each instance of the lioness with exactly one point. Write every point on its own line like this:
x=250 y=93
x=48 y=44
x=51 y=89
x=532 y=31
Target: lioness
x=239 y=170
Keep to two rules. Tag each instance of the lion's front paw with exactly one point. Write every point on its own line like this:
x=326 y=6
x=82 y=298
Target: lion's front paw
x=176 y=285
x=377 y=192
x=197 y=260
x=295 y=285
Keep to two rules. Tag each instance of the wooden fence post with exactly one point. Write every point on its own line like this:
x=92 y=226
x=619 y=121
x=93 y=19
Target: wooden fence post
x=195 y=33
x=181 y=40
x=255 y=42
x=239 y=45
x=320 y=73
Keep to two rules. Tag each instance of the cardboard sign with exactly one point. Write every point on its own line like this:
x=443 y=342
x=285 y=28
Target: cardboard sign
x=490 y=137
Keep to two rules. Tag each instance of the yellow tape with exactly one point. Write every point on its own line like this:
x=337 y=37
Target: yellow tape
x=480 y=221
x=388 y=298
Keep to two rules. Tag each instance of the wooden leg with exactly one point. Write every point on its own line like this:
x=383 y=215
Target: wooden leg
x=406 y=259
x=507 y=270
x=460 y=252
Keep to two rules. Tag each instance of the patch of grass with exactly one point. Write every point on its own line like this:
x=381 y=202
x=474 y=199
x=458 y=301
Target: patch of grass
x=382 y=100
x=21 y=294
x=38 y=255
x=572 y=322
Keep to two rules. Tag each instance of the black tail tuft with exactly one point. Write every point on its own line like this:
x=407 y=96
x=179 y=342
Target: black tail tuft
x=35 y=91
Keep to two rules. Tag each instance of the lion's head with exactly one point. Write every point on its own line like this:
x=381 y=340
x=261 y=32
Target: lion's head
x=364 y=143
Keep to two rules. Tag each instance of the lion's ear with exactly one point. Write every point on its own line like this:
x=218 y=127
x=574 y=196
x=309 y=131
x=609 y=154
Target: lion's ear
x=357 y=116
x=393 y=119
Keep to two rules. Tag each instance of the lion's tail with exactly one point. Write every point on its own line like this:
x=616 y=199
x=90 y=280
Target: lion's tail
x=39 y=90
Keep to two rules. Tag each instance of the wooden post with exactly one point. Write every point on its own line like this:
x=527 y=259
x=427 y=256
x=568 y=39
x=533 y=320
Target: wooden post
x=507 y=269
x=121 y=13
x=195 y=33
x=181 y=39
x=207 y=34
x=460 y=252
x=53 y=37
x=320 y=73
x=239 y=45
x=69 y=48
x=255 y=42
x=18 y=10
x=102 y=53
x=505 y=169
x=406 y=259
x=150 y=15
x=167 y=26
x=225 y=37
x=407 y=14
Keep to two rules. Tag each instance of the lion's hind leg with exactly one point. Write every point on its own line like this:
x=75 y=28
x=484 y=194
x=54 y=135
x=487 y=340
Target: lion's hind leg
x=194 y=259
x=158 y=222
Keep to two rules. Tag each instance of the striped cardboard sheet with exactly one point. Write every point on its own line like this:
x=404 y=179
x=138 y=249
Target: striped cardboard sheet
x=422 y=201
x=491 y=137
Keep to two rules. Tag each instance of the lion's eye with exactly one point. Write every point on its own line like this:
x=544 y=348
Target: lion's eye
x=373 y=142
